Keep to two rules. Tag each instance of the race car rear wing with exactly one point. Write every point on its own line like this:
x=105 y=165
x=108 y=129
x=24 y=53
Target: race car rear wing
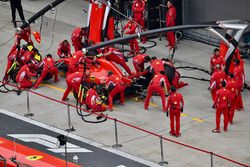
x=235 y=30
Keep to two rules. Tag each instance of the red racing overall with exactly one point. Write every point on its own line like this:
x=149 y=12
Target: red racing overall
x=76 y=38
x=159 y=84
x=170 y=21
x=25 y=34
x=138 y=62
x=215 y=82
x=73 y=83
x=118 y=88
x=112 y=54
x=175 y=104
x=138 y=9
x=91 y=101
x=216 y=60
x=63 y=50
x=132 y=27
x=157 y=66
x=239 y=77
x=11 y=59
x=23 y=77
x=222 y=104
x=232 y=86
x=48 y=67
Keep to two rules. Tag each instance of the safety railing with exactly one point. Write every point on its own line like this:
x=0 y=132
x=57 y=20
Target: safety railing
x=211 y=155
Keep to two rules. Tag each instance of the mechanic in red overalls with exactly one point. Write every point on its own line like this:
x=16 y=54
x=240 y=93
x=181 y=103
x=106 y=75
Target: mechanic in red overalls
x=73 y=81
x=114 y=55
x=132 y=27
x=222 y=104
x=27 y=56
x=93 y=100
x=175 y=107
x=138 y=9
x=160 y=85
x=239 y=77
x=216 y=59
x=73 y=62
x=232 y=86
x=139 y=61
x=24 y=75
x=64 y=50
x=21 y=34
x=48 y=65
x=176 y=81
x=11 y=59
x=215 y=82
x=78 y=37
x=115 y=86
x=157 y=65
x=171 y=21
x=76 y=62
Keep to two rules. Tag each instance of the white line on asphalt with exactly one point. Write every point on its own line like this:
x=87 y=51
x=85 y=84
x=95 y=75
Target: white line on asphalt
x=50 y=142
x=76 y=137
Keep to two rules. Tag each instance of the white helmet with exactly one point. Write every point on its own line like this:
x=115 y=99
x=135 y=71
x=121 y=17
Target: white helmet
x=18 y=30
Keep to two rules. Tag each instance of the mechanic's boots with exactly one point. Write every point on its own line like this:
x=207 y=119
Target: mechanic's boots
x=216 y=131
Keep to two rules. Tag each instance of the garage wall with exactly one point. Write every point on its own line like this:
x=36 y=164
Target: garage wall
x=198 y=11
x=202 y=11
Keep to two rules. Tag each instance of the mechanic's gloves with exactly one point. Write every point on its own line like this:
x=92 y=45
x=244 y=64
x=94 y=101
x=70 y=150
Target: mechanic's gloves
x=181 y=109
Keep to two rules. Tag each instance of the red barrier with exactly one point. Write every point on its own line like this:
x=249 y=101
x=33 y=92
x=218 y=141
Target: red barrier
x=138 y=128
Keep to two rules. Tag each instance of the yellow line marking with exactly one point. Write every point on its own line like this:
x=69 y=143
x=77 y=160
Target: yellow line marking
x=60 y=89
x=153 y=104
x=53 y=87
x=197 y=119
x=184 y=115
x=133 y=98
x=139 y=100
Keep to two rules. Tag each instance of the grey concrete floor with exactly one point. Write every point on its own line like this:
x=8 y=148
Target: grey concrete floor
x=196 y=123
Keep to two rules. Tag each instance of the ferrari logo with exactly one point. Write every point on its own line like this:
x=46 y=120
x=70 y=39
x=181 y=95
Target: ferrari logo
x=157 y=63
x=1 y=142
x=34 y=157
x=117 y=78
x=175 y=102
x=232 y=89
x=224 y=98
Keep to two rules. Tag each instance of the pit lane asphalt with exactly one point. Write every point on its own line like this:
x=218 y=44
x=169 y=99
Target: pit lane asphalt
x=234 y=144
x=93 y=156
